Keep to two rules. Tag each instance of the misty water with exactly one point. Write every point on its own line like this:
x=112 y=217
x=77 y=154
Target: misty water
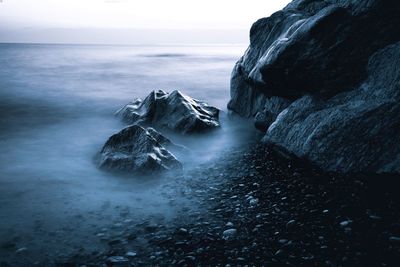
x=57 y=104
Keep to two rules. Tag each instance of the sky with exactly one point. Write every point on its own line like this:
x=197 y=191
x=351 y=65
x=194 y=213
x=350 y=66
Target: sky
x=141 y=20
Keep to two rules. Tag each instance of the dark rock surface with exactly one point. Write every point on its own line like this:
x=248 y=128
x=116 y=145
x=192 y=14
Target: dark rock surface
x=338 y=61
x=357 y=131
x=138 y=149
x=174 y=111
x=272 y=107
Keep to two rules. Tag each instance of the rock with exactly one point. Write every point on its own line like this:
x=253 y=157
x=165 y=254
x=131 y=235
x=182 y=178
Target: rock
x=253 y=201
x=229 y=224
x=290 y=224
x=353 y=131
x=345 y=223
x=311 y=46
x=338 y=71
x=229 y=234
x=138 y=149
x=131 y=236
x=174 y=111
x=272 y=107
x=117 y=261
x=21 y=250
x=130 y=254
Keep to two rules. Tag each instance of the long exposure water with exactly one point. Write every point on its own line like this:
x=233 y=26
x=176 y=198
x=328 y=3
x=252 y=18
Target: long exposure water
x=57 y=104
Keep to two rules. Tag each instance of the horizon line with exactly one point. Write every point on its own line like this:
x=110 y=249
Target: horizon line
x=126 y=44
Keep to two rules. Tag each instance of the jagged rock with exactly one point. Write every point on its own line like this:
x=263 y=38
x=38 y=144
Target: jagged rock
x=272 y=107
x=138 y=149
x=175 y=111
x=336 y=62
x=311 y=47
x=356 y=131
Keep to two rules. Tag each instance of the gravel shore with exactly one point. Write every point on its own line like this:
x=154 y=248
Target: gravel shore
x=257 y=208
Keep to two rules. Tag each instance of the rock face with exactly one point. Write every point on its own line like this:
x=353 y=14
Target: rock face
x=138 y=149
x=174 y=111
x=330 y=69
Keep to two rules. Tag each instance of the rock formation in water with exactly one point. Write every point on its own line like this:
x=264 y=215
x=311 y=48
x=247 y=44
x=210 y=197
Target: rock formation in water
x=322 y=80
x=139 y=150
x=174 y=111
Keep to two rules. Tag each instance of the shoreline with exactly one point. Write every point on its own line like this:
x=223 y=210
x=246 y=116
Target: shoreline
x=256 y=209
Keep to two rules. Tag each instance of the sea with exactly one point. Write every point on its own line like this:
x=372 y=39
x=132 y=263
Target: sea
x=57 y=105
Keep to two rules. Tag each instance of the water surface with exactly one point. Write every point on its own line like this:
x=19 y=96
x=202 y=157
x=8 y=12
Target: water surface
x=57 y=104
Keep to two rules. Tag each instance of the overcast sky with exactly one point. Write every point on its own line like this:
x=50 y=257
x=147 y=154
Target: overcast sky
x=73 y=19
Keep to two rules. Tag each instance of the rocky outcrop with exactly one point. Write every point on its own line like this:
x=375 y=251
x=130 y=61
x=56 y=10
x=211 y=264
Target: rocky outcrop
x=333 y=67
x=272 y=107
x=137 y=149
x=174 y=111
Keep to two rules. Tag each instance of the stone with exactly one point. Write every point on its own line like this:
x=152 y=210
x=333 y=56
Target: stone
x=354 y=131
x=319 y=47
x=345 y=223
x=290 y=224
x=272 y=107
x=21 y=250
x=229 y=234
x=229 y=224
x=130 y=254
x=333 y=65
x=174 y=111
x=117 y=261
x=136 y=149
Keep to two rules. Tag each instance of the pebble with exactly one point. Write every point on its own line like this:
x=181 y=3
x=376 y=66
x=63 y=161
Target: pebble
x=229 y=224
x=253 y=202
x=182 y=231
x=20 y=250
x=290 y=224
x=374 y=217
x=229 y=234
x=202 y=238
x=117 y=261
x=345 y=223
x=279 y=252
x=131 y=254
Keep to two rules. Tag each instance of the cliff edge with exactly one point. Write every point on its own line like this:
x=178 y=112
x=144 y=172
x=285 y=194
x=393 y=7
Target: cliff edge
x=322 y=80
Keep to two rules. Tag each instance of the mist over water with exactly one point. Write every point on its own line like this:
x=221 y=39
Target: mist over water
x=57 y=104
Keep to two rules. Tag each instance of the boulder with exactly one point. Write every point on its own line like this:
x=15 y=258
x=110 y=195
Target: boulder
x=174 y=111
x=356 y=131
x=311 y=47
x=272 y=107
x=137 y=149
x=334 y=66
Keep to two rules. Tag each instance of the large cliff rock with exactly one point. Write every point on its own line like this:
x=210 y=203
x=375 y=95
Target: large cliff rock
x=337 y=63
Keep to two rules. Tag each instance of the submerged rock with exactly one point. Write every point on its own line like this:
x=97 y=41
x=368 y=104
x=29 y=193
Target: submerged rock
x=138 y=149
x=333 y=65
x=174 y=111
